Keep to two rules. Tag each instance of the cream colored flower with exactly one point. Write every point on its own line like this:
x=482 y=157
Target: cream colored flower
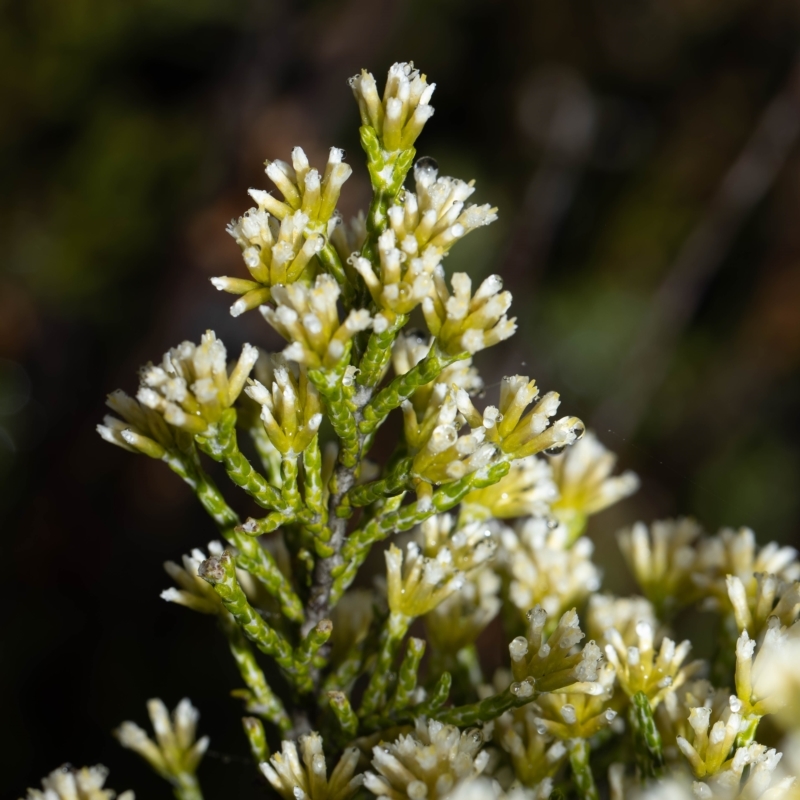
x=404 y=279
x=755 y=601
x=426 y=764
x=440 y=453
x=775 y=676
x=274 y=253
x=189 y=390
x=290 y=407
x=398 y=118
x=673 y=712
x=573 y=715
x=409 y=349
x=641 y=669
x=761 y=682
x=519 y=435
x=175 y=755
x=553 y=662
x=435 y=218
x=664 y=561
x=304 y=189
x=304 y=775
x=527 y=490
x=736 y=554
x=416 y=584
x=534 y=756
x=583 y=475
x=709 y=743
x=463 y=322
x=487 y=789
x=67 y=783
x=471 y=545
x=544 y=570
x=732 y=784
x=622 y=614
x=307 y=317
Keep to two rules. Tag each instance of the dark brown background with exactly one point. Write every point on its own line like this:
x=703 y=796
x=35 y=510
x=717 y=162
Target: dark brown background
x=643 y=153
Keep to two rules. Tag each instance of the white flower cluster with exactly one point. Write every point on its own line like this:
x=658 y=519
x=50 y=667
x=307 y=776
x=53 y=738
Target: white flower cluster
x=399 y=117
x=304 y=775
x=281 y=239
x=188 y=391
x=544 y=569
x=416 y=584
x=176 y=753
x=67 y=783
x=307 y=317
x=426 y=764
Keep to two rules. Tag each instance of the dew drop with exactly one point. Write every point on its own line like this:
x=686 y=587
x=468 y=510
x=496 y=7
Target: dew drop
x=426 y=163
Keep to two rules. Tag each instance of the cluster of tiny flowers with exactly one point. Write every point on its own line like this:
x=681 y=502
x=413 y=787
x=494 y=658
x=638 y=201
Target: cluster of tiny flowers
x=489 y=661
x=67 y=783
x=427 y=763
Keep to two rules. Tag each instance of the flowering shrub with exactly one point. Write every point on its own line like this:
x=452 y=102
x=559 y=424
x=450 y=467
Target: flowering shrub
x=596 y=697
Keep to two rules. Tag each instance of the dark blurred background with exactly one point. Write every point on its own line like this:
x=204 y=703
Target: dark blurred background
x=645 y=157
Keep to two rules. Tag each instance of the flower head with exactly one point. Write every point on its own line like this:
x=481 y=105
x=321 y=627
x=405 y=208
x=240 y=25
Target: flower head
x=465 y=322
x=470 y=545
x=188 y=392
x=709 y=744
x=544 y=570
x=663 y=560
x=428 y=763
x=519 y=434
x=409 y=349
x=68 y=783
x=576 y=715
x=486 y=789
x=756 y=601
x=674 y=712
x=398 y=118
x=435 y=218
x=274 y=252
x=528 y=489
x=535 y=756
x=304 y=189
x=304 y=775
x=416 y=584
x=622 y=614
x=307 y=317
x=735 y=553
x=175 y=755
x=731 y=783
x=553 y=662
x=290 y=408
x=585 y=482
x=405 y=277
x=641 y=669
x=761 y=670
x=440 y=453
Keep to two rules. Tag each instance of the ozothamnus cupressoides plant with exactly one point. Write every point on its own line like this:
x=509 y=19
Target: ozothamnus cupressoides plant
x=480 y=510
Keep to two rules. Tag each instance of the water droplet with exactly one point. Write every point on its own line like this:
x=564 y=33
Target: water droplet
x=554 y=451
x=579 y=430
x=426 y=163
